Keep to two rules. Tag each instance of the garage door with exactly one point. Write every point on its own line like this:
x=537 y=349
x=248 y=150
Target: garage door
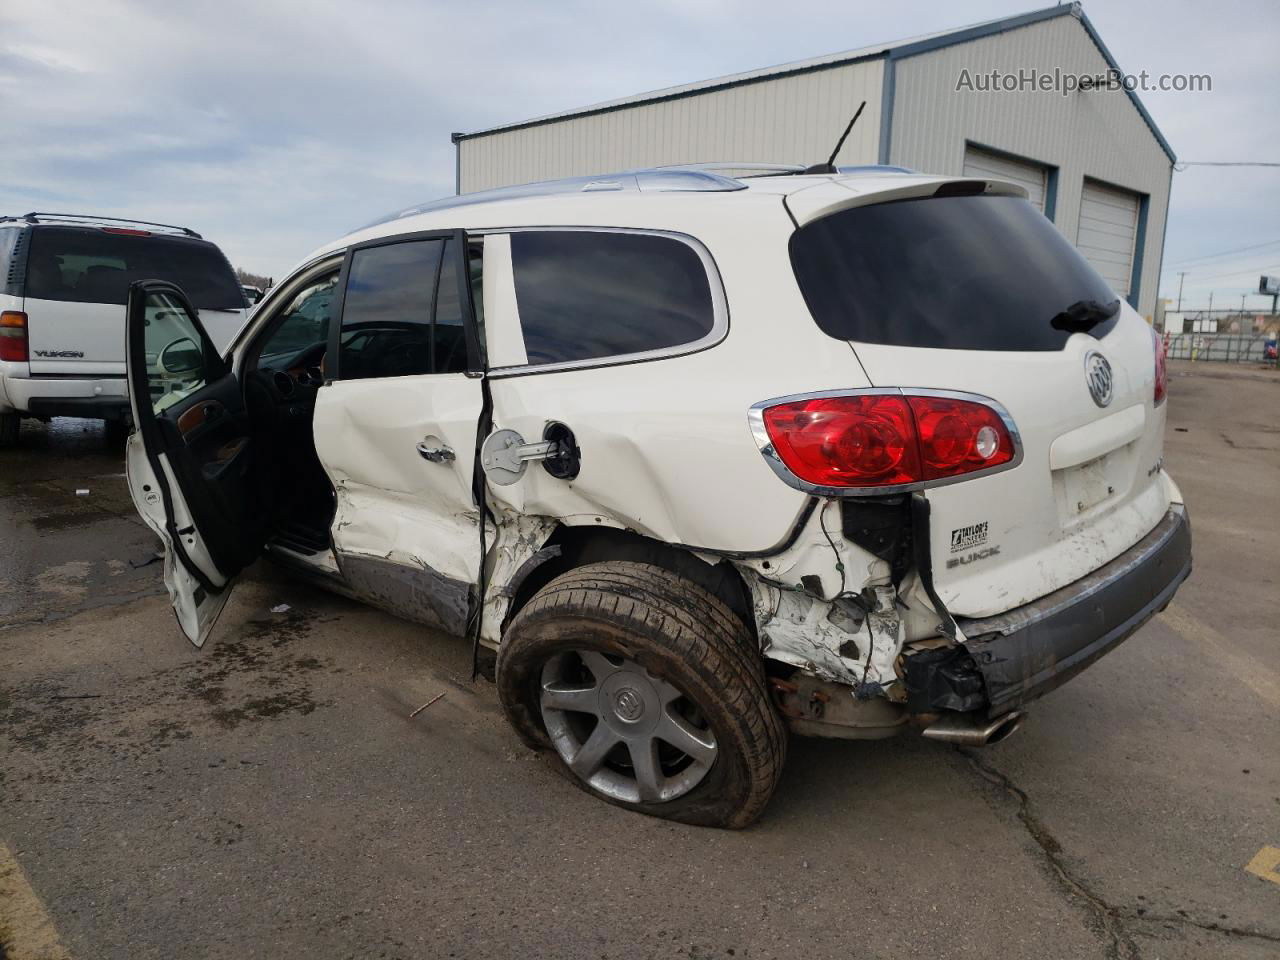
x=1107 y=231
x=1025 y=173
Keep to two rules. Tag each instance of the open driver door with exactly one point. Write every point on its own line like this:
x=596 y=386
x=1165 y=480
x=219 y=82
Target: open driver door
x=190 y=460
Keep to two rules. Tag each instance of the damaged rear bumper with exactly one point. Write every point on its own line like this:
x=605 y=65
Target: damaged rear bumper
x=1026 y=652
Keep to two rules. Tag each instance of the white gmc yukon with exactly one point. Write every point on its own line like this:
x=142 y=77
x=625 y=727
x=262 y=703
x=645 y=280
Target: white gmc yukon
x=64 y=279
x=703 y=459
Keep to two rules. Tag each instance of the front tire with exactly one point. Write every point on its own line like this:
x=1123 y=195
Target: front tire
x=649 y=692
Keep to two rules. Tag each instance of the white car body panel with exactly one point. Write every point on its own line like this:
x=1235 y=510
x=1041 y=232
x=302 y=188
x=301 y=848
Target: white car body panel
x=667 y=449
x=392 y=504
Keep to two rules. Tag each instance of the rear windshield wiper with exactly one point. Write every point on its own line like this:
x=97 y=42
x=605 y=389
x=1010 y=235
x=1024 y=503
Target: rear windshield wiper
x=1083 y=315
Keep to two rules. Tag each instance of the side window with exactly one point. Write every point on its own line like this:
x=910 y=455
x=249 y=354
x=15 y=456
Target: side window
x=403 y=314
x=179 y=362
x=588 y=295
x=475 y=271
x=305 y=322
x=449 y=336
x=8 y=241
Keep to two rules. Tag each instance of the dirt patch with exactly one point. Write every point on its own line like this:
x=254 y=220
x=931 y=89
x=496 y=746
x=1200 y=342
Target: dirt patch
x=253 y=678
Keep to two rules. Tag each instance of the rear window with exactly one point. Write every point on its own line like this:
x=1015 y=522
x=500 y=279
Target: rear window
x=959 y=273
x=589 y=295
x=90 y=266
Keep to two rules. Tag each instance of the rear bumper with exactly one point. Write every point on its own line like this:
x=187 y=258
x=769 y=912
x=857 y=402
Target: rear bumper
x=99 y=398
x=1024 y=653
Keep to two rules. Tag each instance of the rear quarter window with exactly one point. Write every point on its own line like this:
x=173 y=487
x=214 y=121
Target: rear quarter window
x=10 y=269
x=585 y=295
x=93 y=266
x=960 y=273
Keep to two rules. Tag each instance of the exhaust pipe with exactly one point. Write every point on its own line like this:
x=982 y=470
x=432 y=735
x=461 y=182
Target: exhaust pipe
x=971 y=732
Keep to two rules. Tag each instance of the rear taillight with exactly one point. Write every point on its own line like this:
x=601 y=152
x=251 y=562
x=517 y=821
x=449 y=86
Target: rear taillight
x=959 y=436
x=1162 y=371
x=13 y=336
x=852 y=441
x=884 y=439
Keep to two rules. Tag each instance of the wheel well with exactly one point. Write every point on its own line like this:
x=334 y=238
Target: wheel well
x=577 y=546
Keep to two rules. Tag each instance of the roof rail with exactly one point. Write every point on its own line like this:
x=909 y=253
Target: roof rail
x=762 y=169
x=34 y=217
x=874 y=168
x=652 y=180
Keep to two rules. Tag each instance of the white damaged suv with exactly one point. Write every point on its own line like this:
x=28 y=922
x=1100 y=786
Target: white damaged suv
x=703 y=459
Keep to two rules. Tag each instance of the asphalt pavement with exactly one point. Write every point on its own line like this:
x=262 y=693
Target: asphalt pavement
x=270 y=796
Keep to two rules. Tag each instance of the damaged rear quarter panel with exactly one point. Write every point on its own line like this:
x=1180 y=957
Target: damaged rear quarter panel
x=854 y=640
x=666 y=449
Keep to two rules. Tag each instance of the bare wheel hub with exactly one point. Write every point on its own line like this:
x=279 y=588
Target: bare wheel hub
x=629 y=734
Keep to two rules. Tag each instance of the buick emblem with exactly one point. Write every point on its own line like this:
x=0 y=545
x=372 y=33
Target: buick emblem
x=1098 y=376
x=628 y=705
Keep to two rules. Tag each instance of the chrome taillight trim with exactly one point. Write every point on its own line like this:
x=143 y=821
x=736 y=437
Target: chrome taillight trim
x=755 y=420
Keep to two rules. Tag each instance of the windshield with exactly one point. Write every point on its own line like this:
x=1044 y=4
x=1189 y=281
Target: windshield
x=959 y=273
x=92 y=266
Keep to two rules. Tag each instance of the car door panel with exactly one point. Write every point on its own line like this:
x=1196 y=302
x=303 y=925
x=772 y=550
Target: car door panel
x=395 y=427
x=196 y=607
x=190 y=462
x=394 y=507
x=212 y=461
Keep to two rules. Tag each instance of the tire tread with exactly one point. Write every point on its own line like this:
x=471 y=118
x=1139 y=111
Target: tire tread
x=691 y=624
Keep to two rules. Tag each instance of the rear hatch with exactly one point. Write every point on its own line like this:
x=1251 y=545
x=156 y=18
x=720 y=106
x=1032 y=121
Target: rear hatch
x=77 y=282
x=961 y=293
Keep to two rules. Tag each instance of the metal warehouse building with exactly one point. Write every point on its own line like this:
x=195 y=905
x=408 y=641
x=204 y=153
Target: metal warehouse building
x=1092 y=160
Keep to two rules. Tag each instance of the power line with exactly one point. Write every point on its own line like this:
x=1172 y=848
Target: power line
x=1223 y=253
x=1236 y=273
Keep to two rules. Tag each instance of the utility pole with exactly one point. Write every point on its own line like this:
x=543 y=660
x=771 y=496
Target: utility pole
x=1181 y=276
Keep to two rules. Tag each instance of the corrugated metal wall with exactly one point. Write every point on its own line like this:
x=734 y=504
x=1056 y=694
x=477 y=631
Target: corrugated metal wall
x=1097 y=134
x=793 y=119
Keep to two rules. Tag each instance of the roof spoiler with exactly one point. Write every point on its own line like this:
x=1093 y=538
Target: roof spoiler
x=832 y=196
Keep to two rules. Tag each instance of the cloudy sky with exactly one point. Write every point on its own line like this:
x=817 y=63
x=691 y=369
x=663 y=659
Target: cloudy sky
x=273 y=127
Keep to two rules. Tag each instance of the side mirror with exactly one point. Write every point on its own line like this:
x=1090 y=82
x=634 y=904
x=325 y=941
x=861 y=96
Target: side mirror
x=182 y=356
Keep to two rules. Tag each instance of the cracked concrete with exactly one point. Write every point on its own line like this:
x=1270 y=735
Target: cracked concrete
x=1120 y=945
x=1114 y=921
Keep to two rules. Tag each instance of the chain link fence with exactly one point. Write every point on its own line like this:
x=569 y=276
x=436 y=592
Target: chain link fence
x=1220 y=347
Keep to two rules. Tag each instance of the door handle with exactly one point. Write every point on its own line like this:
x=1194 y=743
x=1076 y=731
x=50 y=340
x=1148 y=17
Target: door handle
x=436 y=454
